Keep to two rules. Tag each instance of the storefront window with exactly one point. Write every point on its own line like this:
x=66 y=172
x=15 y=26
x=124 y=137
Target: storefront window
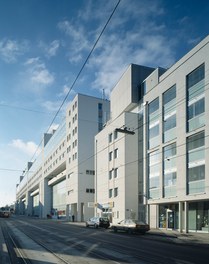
x=59 y=199
x=199 y=216
x=169 y=216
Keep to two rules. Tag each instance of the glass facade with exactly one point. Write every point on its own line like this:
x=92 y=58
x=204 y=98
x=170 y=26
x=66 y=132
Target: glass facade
x=169 y=170
x=196 y=163
x=154 y=174
x=59 y=199
x=196 y=98
x=154 y=138
x=198 y=216
x=36 y=205
x=169 y=114
x=169 y=216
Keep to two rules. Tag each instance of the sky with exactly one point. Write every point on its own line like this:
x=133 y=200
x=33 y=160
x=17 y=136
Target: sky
x=44 y=44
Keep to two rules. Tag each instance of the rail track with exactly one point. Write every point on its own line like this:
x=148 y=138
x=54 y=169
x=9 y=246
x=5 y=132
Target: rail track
x=20 y=246
x=86 y=249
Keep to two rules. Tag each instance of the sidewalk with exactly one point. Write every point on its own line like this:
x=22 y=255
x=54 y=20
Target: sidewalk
x=191 y=238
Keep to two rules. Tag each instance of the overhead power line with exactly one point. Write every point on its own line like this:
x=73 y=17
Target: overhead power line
x=80 y=71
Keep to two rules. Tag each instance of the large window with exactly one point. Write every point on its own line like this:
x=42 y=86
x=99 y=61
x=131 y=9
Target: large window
x=198 y=216
x=170 y=170
x=154 y=174
x=59 y=198
x=196 y=98
x=169 y=114
x=154 y=123
x=196 y=163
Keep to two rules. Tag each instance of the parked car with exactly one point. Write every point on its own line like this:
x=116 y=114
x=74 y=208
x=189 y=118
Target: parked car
x=131 y=226
x=5 y=213
x=98 y=222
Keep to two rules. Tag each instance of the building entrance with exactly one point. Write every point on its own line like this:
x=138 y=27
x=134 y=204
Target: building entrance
x=170 y=219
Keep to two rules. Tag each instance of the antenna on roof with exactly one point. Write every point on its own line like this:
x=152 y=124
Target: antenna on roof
x=103 y=94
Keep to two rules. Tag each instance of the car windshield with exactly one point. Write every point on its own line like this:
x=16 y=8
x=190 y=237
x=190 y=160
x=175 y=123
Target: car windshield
x=104 y=219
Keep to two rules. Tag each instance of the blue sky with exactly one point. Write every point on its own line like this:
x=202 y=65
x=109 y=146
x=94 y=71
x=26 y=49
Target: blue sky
x=44 y=43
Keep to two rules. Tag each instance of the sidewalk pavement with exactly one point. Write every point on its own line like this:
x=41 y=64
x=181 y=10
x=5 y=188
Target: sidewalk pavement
x=191 y=238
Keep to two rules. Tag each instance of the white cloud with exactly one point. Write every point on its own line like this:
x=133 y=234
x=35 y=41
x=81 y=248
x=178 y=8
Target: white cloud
x=38 y=72
x=50 y=49
x=10 y=50
x=53 y=48
x=29 y=147
x=65 y=91
x=134 y=35
x=51 y=106
x=78 y=39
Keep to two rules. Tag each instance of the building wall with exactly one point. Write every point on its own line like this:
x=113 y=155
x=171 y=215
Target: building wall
x=87 y=116
x=177 y=75
x=117 y=171
x=52 y=171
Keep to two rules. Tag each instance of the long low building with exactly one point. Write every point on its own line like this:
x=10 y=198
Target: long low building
x=60 y=182
x=143 y=155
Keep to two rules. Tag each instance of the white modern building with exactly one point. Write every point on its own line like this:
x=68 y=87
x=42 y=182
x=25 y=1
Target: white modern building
x=61 y=180
x=159 y=174
x=176 y=143
x=148 y=159
x=118 y=173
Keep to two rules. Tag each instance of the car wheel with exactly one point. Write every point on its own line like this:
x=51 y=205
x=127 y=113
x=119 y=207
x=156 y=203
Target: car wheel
x=87 y=225
x=130 y=231
x=95 y=226
x=115 y=229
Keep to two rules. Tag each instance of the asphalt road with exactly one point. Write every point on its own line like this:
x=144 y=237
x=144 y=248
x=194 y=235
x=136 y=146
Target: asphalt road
x=78 y=244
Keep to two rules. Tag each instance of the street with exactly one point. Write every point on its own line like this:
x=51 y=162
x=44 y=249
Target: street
x=78 y=244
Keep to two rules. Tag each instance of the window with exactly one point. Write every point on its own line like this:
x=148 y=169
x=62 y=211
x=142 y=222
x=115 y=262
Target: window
x=154 y=174
x=169 y=95
x=110 y=174
x=110 y=137
x=115 y=192
x=153 y=112
x=116 y=153
x=154 y=106
x=110 y=156
x=90 y=190
x=169 y=114
x=116 y=173
x=196 y=163
x=90 y=172
x=196 y=108
x=110 y=193
x=170 y=170
x=195 y=98
x=115 y=134
x=196 y=76
x=170 y=123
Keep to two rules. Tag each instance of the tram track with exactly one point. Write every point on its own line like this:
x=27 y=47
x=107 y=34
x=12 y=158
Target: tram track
x=97 y=248
x=15 y=254
x=19 y=253
x=71 y=244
